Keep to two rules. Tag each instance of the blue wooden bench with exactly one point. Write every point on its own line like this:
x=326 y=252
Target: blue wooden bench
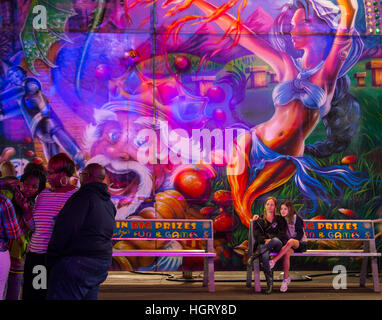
x=167 y=230
x=324 y=230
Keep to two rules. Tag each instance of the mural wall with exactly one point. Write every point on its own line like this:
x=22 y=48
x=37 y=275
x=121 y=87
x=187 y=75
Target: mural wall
x=201 y=109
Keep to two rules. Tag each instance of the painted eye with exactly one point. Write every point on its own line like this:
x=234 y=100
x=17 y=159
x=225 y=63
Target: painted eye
x=114 y=136
x=140 y=141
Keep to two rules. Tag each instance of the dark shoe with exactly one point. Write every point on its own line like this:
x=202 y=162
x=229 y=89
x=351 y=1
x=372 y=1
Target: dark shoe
x=255 y=255
x=269 y=279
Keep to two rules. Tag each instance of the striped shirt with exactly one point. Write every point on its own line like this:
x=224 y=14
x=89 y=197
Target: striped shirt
x=9 y=227
x=48 y=205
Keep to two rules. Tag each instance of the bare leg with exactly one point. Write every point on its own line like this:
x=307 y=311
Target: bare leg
x=286 y=263
x=291 y=244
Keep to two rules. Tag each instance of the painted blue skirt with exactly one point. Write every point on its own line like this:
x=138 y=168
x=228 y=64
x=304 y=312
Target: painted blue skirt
x=308 y=185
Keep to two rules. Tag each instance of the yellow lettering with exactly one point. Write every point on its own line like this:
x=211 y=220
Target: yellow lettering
x=348 y=226
x=187 y=225
x=179 y=225
x=337 y=235
x=320 y=225
x=355 y=226
x=158 y=225
x=158 y=234
x=175 y=234
x=166 y=225
x=124 y=224
x=341 y=224
x=193 y=225
x=328 y=226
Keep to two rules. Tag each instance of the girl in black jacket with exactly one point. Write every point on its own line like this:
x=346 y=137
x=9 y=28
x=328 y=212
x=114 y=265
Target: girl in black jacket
x=270 y=236
x=297 y=241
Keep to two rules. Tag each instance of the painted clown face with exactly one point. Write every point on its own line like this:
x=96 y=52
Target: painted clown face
x=115 y=142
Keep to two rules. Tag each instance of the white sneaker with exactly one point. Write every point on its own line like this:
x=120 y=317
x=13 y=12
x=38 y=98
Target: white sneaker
x=271 y=264
x=284 y=285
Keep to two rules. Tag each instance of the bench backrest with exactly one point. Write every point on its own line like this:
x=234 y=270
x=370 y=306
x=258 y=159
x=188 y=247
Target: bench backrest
x=163 y=230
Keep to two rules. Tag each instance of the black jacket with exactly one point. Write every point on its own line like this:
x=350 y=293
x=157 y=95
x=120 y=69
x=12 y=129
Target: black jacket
x=85 y=225
x=262 y=229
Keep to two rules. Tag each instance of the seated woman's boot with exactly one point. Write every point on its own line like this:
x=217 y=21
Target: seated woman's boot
x=269 y=280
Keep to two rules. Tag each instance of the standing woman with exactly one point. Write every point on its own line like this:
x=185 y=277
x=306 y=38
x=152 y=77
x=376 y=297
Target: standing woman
x=270 y=235
x=48 y=204
x=297 y=241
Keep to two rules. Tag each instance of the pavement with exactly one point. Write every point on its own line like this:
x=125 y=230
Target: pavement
x=231 y=285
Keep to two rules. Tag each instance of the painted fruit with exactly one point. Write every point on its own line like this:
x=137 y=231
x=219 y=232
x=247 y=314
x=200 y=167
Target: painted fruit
x=216 y=94
x=223 y=222
x=29 y=153
x=219 y=115
x=182 y=63
x=207 y=210
x=222 y=197
x=193 y=184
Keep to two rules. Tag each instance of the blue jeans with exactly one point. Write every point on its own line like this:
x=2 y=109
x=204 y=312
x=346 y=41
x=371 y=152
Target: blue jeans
x=274 y=245
x=77 y=278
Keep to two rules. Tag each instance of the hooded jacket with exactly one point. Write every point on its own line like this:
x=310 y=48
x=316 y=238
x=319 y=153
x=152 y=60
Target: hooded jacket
x=85 y=225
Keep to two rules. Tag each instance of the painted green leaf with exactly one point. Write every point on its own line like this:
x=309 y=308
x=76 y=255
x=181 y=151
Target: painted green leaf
x=36 y=42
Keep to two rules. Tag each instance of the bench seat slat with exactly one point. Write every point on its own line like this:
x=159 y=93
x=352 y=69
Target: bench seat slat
x=162 y=253
x=333 y=253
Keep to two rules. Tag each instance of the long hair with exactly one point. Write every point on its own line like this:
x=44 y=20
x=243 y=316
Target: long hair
x=291 y=210
x=342 y=120
x=274 y=201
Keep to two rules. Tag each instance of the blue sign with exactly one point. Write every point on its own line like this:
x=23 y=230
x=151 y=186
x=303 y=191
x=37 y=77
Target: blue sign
x=339 y=229
x=163 y=229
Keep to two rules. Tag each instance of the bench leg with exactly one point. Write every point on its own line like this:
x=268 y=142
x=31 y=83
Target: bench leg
x=205 y=272
x=256 y=275
x=362 y=279
x=211 y=275
x=374 y=268
x=249 y=275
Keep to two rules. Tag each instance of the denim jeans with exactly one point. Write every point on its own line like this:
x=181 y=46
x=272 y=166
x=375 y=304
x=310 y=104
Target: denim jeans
x=77 y=278
x=274 y=245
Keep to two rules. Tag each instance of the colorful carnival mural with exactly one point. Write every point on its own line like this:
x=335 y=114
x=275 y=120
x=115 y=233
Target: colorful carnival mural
x=201 y=109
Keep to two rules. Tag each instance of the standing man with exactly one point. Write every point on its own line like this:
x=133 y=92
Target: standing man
x=80 y=250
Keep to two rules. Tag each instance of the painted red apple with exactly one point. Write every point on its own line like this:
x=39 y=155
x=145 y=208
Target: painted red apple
x=29 y=153
x=216 y=94
x=182 y=63
x=27 y=140
x=219 y=115
x=205 y=211
x=222 y=197
x=193 y=184
x=224 y=222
